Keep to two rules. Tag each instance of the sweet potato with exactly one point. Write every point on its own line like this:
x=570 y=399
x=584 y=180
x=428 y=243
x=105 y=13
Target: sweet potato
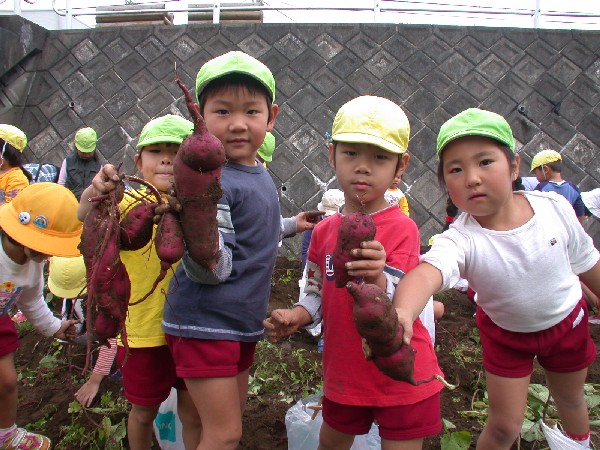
x=197 y=174
x=383 y=333
x=355 y=228
x=137 y=226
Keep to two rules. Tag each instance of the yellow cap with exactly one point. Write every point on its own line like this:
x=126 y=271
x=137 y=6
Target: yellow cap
x=545 y=157
x=67 y=276
x=13 y=136
x=372 y=120
x=43 y=217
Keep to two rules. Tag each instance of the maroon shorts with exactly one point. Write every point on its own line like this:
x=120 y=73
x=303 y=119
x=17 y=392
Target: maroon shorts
x=148 y=374
x=202 y=358
x=9 y=338
x=565 y=347
x=396 y=423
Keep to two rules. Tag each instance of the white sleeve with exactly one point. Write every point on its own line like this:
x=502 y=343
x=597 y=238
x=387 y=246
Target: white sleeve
x=34 y=307
x=62 y=175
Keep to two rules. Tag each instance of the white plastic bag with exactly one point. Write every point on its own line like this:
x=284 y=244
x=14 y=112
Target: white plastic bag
x=303 y=430
x=167 y=426
x=557 y=440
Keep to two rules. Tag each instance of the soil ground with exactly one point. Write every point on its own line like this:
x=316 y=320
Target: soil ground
x=44 y=395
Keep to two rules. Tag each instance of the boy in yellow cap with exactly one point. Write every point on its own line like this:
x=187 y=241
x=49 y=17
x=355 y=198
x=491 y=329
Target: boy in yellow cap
x=41 y=221
x=13 y=176
x=149 y=373
x=368 y=150
x=80 y=166
x=547 y=167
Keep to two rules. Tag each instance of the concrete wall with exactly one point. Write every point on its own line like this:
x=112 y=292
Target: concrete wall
x=545 y=82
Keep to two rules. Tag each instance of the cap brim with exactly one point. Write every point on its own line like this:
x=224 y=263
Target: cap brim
x=63 y=244
x=363 y=138
x=84 y=149
x=65 y=293
x=159 y=140
x=483 y=133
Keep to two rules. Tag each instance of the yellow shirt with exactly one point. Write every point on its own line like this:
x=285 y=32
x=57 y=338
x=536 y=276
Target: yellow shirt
x=143 y=322
x=11 y=183
x=396 y=196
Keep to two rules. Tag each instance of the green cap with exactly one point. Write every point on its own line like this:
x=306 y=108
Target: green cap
x=475 y=122
x=266 y=150
x=235 y=62
x=13 y=136
x=166 y=129
x=372 y=120
x=545 y=157
x=85 y=140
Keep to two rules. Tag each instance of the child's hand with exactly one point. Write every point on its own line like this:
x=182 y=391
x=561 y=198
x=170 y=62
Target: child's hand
x=406 y=321
x=369 y=263
x=67 y=330
x=171 y=205
x=106 y=179
x=306 y=220
x=282 y=323
x=86 y=393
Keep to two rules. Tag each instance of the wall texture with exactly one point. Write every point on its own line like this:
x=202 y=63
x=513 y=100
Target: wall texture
x=545 y=82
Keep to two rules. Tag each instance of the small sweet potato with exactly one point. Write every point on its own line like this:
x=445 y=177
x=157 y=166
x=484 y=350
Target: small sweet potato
x=137 y=226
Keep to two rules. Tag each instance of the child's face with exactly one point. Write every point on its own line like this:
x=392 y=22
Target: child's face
x=156 y=164
x=84 y=155
x=240 y=119
x=540 y=173
x=479 y=177
x=19 y=253
x=365 y=172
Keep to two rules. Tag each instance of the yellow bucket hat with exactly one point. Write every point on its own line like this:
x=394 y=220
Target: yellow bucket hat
x=545 y=157
x=13 y=136
x=85 y=140
x=43 y=217
x=67 y=276
x=372 y=120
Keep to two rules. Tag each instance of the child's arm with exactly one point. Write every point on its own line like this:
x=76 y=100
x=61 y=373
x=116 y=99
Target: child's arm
x=284 y=322
x=412 y=294
x=106 y=356
x=305 y=220
x=591 y=279
x=104 y=181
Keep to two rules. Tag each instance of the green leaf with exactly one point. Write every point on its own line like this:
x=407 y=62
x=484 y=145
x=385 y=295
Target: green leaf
x=592 y=400
x=448 y=425
x=49 y=362
x=539 y=392
x=531 y=431
x=458 y=440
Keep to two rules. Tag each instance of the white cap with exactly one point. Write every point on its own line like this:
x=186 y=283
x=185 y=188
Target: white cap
x=331 y=202
x=591 y=199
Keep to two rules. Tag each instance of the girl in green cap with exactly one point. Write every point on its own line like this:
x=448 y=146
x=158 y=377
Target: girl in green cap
x=535 y=311
x=149 y=372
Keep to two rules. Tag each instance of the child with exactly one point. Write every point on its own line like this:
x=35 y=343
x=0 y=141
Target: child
x=395 y=196
x=67 y=281
x=368 y=149
x=547 y=167
x=150 y=372
x=266 y=150
x=40 y=221
x=13 y=176
x=81 y=165
x=214 y=320
x=521 y=252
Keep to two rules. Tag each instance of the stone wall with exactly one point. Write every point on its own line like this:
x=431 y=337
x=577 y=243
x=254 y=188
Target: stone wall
x=114 y=79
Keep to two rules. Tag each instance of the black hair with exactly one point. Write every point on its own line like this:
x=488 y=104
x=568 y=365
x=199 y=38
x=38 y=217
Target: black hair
x=556 y=166
x=14 y=158
x=234 y=80
x=451 y=212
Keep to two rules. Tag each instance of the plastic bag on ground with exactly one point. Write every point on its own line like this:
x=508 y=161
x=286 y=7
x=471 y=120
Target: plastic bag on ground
x=558 y=441
x=167 y=426
x=303 y=430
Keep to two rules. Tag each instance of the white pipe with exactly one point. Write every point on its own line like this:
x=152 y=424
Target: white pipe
x=217 y=12
x=536 y=15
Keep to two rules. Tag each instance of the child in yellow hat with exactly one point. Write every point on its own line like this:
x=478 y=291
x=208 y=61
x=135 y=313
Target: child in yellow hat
x=368 y=150
x=535 y=312
x=41 y=221
x=13 y=176
x=547 y=168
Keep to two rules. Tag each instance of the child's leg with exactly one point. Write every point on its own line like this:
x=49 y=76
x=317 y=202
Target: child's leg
x=413 y=444
x=139 y=426
x=507 y=401
x=190 y=421
x=218 y=404
x=8 y=391
x=331 y=439
x=567 y=391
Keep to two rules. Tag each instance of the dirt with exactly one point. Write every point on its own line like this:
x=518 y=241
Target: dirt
x=44 y=395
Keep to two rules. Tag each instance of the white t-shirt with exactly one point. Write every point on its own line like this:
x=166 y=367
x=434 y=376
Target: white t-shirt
x=23 y=284
x=525 y=278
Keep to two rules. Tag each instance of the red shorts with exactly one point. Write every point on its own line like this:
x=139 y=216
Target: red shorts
x=396 y=423
x=9 y=338
x=565 y=347
x=148 y=374
x=202 y=358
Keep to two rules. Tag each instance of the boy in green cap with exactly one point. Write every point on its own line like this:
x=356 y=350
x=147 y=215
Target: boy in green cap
x=214 y=319
x=368 y=150
x=80 y=166
x=522 y=252
x=149 y=372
